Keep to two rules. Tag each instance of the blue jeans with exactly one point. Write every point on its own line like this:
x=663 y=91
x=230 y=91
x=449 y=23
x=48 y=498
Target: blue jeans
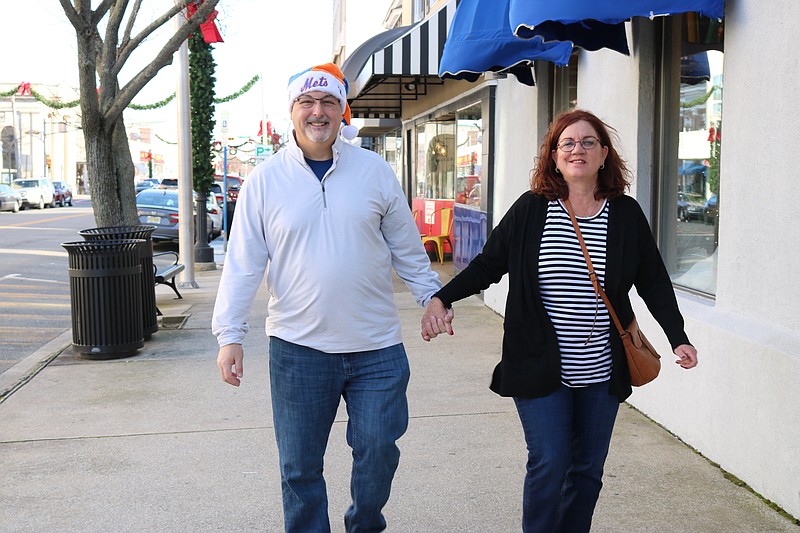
x=567 y=434
x=306 y=387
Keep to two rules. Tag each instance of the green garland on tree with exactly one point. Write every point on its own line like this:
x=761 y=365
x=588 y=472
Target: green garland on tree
x=714 y=139
x=201 y=95
x=700 y=99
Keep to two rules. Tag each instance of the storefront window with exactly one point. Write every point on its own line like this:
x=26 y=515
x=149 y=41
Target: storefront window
x=436 y=160
x=692 y=234
x=393 y=152
x=468 y=156
x=469 y=227
x=565 y=86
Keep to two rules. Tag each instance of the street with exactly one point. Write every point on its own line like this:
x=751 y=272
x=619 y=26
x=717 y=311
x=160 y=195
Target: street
x=34 y=280
x=696 y=242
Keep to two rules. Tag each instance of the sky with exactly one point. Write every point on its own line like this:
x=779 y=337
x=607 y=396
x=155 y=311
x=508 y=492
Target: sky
x=270 y=38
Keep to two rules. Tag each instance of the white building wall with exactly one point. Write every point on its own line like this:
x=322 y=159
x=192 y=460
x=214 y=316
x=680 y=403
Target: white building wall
x=517 y=137
x=608 y=86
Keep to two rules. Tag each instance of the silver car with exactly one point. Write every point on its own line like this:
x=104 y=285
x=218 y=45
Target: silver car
x=159 y=208
x=35 y=192
x=10 y=200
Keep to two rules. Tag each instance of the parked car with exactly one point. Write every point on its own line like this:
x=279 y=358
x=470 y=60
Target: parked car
x=35 y=192
x=215 y=212
x=63 y=194
x=159 y=208
x=10 y=200
x=690 y=206
x=169 y=183
x=233 y=190
x=147 y=183
x=711 y=210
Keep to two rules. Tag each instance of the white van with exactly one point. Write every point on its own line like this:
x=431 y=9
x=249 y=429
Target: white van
x=35 y=192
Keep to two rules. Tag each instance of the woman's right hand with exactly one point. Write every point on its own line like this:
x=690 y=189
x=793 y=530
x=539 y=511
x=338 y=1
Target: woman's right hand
x=437 y=319
x=687 y=356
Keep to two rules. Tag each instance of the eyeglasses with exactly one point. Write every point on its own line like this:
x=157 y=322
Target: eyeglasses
x=308 y=102
x=569 y=145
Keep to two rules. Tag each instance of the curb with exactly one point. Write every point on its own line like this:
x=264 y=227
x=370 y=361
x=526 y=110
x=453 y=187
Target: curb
x=23 y=371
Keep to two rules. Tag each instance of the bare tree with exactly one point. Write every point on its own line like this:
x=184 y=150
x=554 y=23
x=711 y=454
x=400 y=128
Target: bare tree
x=100 y=60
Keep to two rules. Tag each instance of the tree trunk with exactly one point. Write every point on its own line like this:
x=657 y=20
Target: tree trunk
x=111 y=173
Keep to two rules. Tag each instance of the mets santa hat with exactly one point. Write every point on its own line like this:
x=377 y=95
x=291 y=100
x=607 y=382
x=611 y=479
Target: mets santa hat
x=326 y=78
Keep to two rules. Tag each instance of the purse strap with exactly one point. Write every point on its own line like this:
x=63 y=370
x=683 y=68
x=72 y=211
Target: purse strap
x=598 y=289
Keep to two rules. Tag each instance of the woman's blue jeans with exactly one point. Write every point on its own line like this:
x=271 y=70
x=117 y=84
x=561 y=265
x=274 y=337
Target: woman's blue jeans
x=567 y=434
x=306 y=387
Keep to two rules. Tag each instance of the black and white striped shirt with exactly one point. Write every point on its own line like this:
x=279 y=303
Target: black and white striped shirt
x=580 y=317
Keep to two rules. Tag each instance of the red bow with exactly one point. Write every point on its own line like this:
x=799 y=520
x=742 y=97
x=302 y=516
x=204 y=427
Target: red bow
x=261 y=129
x=24 y=89
x=208 y=28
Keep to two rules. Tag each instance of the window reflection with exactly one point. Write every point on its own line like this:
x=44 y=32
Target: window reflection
x=468 y=156
x=564 y=95
x=693 y=261
x=393 y=151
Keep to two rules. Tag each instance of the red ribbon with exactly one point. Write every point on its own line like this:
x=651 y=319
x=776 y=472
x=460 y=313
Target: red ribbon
x=24 y=89
x=208 y=28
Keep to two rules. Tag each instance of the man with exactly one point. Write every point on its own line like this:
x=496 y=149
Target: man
x=330 y=220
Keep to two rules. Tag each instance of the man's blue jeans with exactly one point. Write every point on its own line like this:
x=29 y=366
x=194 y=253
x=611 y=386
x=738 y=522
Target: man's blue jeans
x=567 y=434
x=306 y=387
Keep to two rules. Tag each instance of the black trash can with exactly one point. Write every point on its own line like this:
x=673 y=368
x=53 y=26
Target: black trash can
x=105 y=283
x=149 y=310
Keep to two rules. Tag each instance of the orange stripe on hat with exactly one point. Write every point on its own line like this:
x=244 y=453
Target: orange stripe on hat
x=336 y=72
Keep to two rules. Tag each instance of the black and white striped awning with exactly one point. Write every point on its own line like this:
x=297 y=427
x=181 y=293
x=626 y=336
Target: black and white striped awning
x=397 y=65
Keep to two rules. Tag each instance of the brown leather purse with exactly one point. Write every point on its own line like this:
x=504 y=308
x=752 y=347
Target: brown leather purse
x=644 y=363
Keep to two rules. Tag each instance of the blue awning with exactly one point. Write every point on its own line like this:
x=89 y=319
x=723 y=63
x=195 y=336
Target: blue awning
x=693 y=169
x=587 y=34
x=695 y=69
x=529 y=18
x=480 y=40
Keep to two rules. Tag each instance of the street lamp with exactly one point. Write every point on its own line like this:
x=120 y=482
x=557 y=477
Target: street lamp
x=41 y=136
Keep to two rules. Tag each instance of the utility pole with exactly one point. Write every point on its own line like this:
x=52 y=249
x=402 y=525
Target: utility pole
x=44 y=148
x=16 y=121
x=185 y=185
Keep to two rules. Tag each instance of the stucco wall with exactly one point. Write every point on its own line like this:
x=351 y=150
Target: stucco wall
x=516 y=141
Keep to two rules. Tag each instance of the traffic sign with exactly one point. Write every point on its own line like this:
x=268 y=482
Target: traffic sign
x=263 y=151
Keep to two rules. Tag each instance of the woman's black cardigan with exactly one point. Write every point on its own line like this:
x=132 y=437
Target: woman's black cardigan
x=530 y=365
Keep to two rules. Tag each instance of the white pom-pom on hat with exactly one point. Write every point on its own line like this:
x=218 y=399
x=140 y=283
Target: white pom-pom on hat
x=349 y=132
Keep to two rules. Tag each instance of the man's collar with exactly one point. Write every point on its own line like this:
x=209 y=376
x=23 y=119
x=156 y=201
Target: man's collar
x=336 y=148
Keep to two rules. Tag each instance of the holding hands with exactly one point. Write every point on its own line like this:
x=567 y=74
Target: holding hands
x=437 y=319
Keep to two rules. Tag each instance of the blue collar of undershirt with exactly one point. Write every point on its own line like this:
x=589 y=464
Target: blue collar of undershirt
x=319 y=167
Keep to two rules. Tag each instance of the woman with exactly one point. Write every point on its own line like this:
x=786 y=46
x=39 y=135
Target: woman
x=562 y=360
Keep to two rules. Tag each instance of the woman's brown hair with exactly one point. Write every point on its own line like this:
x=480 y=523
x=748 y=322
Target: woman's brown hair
x=612 y=179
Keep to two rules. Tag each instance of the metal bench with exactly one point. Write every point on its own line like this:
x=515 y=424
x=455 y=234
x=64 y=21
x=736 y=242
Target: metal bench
x=165 y=275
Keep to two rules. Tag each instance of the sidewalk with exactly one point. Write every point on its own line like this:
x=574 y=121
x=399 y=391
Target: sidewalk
x=156 y=442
